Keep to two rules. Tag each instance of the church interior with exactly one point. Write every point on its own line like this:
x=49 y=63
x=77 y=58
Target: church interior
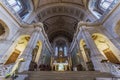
x=59 y=39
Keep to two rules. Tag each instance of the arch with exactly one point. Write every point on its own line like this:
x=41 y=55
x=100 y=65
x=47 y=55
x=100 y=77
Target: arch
x=62 y=39
x=21 y=7
x=36 y=53
x=117 y=29
x=4 y=30
x=60 y=33
x=86 y=55
x=38 y=50
x=60 y=9
x=61 y=44
x=92 y=7
x=82 y=43
x=106 y=47
x=105 y=4
x=99 y=7
x=18 y=48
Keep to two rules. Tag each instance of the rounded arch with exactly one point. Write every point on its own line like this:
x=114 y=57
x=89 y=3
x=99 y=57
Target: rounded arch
x=66 y=42
x=60 y=44
x=82 y=44
x=38 y=50
x=21 y=37
x=61 y=33
x=60 y=9
x=117 y=28
x=106 y=47
x=86 y=55
x=92 y=8
x=4 y=30
x=17 y=49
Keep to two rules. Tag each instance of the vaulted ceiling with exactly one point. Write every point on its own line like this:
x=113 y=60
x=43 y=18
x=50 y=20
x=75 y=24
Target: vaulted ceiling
x=41 y=3
x=60 y=17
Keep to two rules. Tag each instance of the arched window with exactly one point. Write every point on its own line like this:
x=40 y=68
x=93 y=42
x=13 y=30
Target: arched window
x=15 y=4
x=21 y=7
x=101 y=7
x=105 y=4
x=56 y=51
x=65 y=51
x=60 y=49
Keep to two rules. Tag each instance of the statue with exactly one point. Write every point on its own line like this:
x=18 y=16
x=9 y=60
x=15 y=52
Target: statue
x=15 y=69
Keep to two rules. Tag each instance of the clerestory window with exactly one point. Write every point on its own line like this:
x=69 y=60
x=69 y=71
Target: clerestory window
x=21 y=7
x=105 y=4
x=15 y=4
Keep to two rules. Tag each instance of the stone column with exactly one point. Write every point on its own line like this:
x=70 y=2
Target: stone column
x=96 y=56
x=83 y=63
x=42 y=52
x=7 y=47
x=114 y=40
x=55 y=67
x=27 y=54
x=65 y=66
x=70 y=62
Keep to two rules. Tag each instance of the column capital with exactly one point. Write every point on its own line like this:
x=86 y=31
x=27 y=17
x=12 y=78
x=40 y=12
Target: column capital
x=39 y=24
x=81 y=23
x=90 y=24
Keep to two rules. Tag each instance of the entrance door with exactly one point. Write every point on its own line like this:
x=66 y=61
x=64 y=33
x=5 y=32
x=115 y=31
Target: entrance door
x=110 y=56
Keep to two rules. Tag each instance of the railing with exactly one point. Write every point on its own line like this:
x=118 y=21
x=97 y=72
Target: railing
x=14 y=70
x=114 y=68
x=5 y=69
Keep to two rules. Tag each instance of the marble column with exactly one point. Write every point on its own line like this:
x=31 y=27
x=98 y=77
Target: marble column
x=70 y=62
x=65 y=66
x=96 y=56
x=55 y=67
x=114 y=40
x=27 y=54
x=83 y=63
x=7 y=47
x=41 y=59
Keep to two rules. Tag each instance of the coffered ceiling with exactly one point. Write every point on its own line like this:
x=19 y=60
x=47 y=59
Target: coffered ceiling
x=60 y=17
x=41 y=3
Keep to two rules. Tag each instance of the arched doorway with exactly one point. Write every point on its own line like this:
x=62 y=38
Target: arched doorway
x=36 y=56
x=86 y=55
x=18 y=49
x=4 y=30
x=107 y=49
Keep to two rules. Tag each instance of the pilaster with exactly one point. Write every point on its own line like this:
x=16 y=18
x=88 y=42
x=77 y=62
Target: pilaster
x=96 y=56
x=27 y=54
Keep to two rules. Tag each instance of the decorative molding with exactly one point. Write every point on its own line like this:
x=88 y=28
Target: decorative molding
x=61 y=10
